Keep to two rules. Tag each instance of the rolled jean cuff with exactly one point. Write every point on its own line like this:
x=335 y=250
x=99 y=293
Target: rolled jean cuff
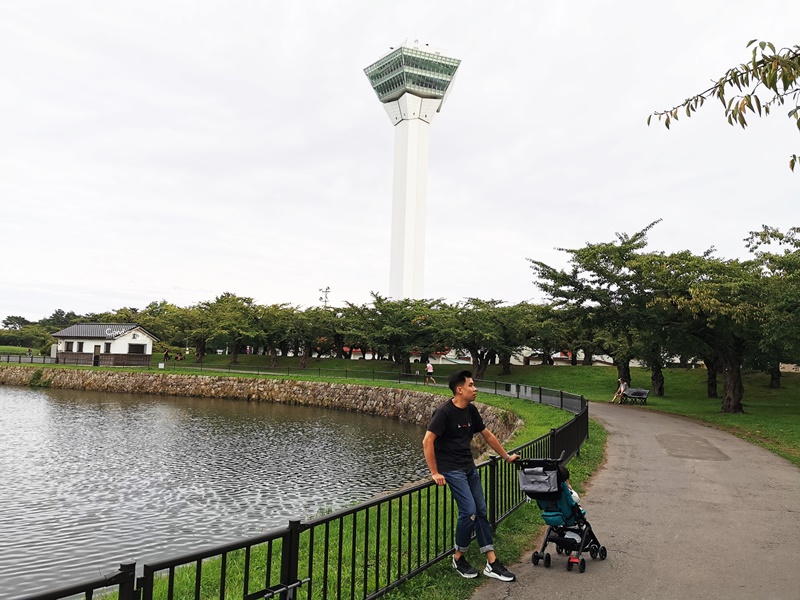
x=462 y=549
x=485 y=549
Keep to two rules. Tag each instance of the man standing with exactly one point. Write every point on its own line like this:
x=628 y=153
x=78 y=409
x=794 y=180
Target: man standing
x=449 y=457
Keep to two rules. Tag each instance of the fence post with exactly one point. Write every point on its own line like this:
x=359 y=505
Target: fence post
x=127 y=587
x=553 y=443
x=518 y=386
x=540 y=394
x=493 y=495
x=561 y=394
x=290 y=559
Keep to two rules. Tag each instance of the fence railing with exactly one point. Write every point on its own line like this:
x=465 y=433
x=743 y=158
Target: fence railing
x=26 y=359
x=358 y=552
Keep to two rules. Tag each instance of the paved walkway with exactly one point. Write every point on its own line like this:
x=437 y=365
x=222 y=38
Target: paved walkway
x=685 y=510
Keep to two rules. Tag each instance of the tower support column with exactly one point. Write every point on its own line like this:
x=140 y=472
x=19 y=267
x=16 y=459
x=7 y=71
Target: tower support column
x=409 y=206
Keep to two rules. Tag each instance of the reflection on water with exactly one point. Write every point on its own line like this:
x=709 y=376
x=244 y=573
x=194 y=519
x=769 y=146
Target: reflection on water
x=88 y=480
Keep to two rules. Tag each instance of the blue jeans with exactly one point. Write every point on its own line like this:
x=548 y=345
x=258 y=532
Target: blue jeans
x=465 y=486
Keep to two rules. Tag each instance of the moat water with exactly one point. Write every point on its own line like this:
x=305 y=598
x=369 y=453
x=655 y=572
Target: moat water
x=89 y=480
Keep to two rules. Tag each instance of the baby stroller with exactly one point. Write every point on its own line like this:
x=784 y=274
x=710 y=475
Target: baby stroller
x=545 y=481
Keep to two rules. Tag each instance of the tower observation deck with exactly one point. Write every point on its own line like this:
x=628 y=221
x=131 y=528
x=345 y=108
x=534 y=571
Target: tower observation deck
x=412 y=81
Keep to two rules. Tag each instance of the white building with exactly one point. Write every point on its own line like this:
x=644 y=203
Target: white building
x=412 y=81
x=105 y=345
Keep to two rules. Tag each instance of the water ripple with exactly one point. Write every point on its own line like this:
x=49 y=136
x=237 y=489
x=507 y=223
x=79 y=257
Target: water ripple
x=91 y=480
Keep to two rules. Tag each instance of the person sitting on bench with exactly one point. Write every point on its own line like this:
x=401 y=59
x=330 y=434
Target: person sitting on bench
x=623 y=387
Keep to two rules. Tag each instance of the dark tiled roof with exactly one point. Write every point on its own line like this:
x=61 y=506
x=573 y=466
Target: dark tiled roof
x=100 y=330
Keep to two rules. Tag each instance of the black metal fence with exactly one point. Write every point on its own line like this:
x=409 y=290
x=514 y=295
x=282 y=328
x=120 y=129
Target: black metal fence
x=358 y=552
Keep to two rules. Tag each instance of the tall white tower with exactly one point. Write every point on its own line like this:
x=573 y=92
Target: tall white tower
x=412 y=81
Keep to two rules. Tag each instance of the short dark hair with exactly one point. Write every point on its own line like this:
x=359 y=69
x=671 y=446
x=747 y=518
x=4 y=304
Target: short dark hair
x=458 y=378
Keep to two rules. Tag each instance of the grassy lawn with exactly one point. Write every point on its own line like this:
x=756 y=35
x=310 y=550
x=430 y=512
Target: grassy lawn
x=17 y=350
x=771 y=418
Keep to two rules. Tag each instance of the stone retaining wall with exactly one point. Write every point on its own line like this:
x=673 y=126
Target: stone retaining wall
x=406 y=405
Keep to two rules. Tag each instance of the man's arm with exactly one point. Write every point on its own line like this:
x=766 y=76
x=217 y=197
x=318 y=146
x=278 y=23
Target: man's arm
x=495 y=445
x=430 y=457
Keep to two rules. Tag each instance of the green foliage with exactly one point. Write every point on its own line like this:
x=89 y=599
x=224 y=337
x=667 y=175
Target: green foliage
x=775 y=73
x=38 y=381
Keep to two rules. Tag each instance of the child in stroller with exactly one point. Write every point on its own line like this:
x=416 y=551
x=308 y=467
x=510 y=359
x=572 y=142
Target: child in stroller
x=545 y=480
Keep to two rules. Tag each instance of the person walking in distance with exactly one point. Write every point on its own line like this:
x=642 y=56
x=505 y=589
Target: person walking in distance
x=449 y=458
x=429 y=373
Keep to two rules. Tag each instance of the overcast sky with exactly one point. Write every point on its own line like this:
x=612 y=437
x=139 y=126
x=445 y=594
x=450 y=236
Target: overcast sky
x=177 y=150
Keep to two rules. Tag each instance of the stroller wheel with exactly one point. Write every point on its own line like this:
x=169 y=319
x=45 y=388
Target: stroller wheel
x=593 y=551
x=535 y=558
x=547 y=559
x=559 y=549
x=569 y=565
x=582 y=566
x=603 y=553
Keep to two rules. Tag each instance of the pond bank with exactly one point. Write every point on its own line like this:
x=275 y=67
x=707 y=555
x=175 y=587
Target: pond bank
x=406 y=405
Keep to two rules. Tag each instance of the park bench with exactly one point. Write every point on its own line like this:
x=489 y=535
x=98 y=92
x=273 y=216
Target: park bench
x=634 y=395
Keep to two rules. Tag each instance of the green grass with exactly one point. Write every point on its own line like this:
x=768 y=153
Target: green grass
x=17 y=350
x=771 y=418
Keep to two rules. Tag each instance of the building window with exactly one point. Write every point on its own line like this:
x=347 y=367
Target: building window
x=107 y=348
x=136 y=348
x=67 y=346
x=80 y=346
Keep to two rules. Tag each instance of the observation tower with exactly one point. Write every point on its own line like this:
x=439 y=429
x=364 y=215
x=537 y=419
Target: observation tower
x=412 y=81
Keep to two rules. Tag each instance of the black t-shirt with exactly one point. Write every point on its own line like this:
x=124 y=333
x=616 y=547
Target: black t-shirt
x=454 y=428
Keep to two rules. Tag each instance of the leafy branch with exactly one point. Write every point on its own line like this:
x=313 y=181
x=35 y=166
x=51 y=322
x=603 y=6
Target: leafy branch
x=771 y=72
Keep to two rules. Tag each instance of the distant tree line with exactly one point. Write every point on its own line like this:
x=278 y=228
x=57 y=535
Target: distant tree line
x=614 y=299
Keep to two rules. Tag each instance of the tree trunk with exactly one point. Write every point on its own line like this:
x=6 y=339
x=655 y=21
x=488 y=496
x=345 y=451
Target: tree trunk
x=199 y=350
x=775 y=377
x=305 y=355
x=587 y=357
x=505 y=362
x=733 y=389
x=480 y=361
x=273 y=357
x=712 y=368
x=657 y=379
x=235 y=354
x=573 y=358
x=623 y=370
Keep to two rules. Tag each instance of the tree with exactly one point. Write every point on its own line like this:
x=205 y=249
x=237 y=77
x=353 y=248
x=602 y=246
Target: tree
x=609 y=292
x=233 y=323
x=770 y=71
x=780 y=339
x=60 y=320
x=272 y=327
x=406 y=326
x=477 y=327
x=14 y=322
